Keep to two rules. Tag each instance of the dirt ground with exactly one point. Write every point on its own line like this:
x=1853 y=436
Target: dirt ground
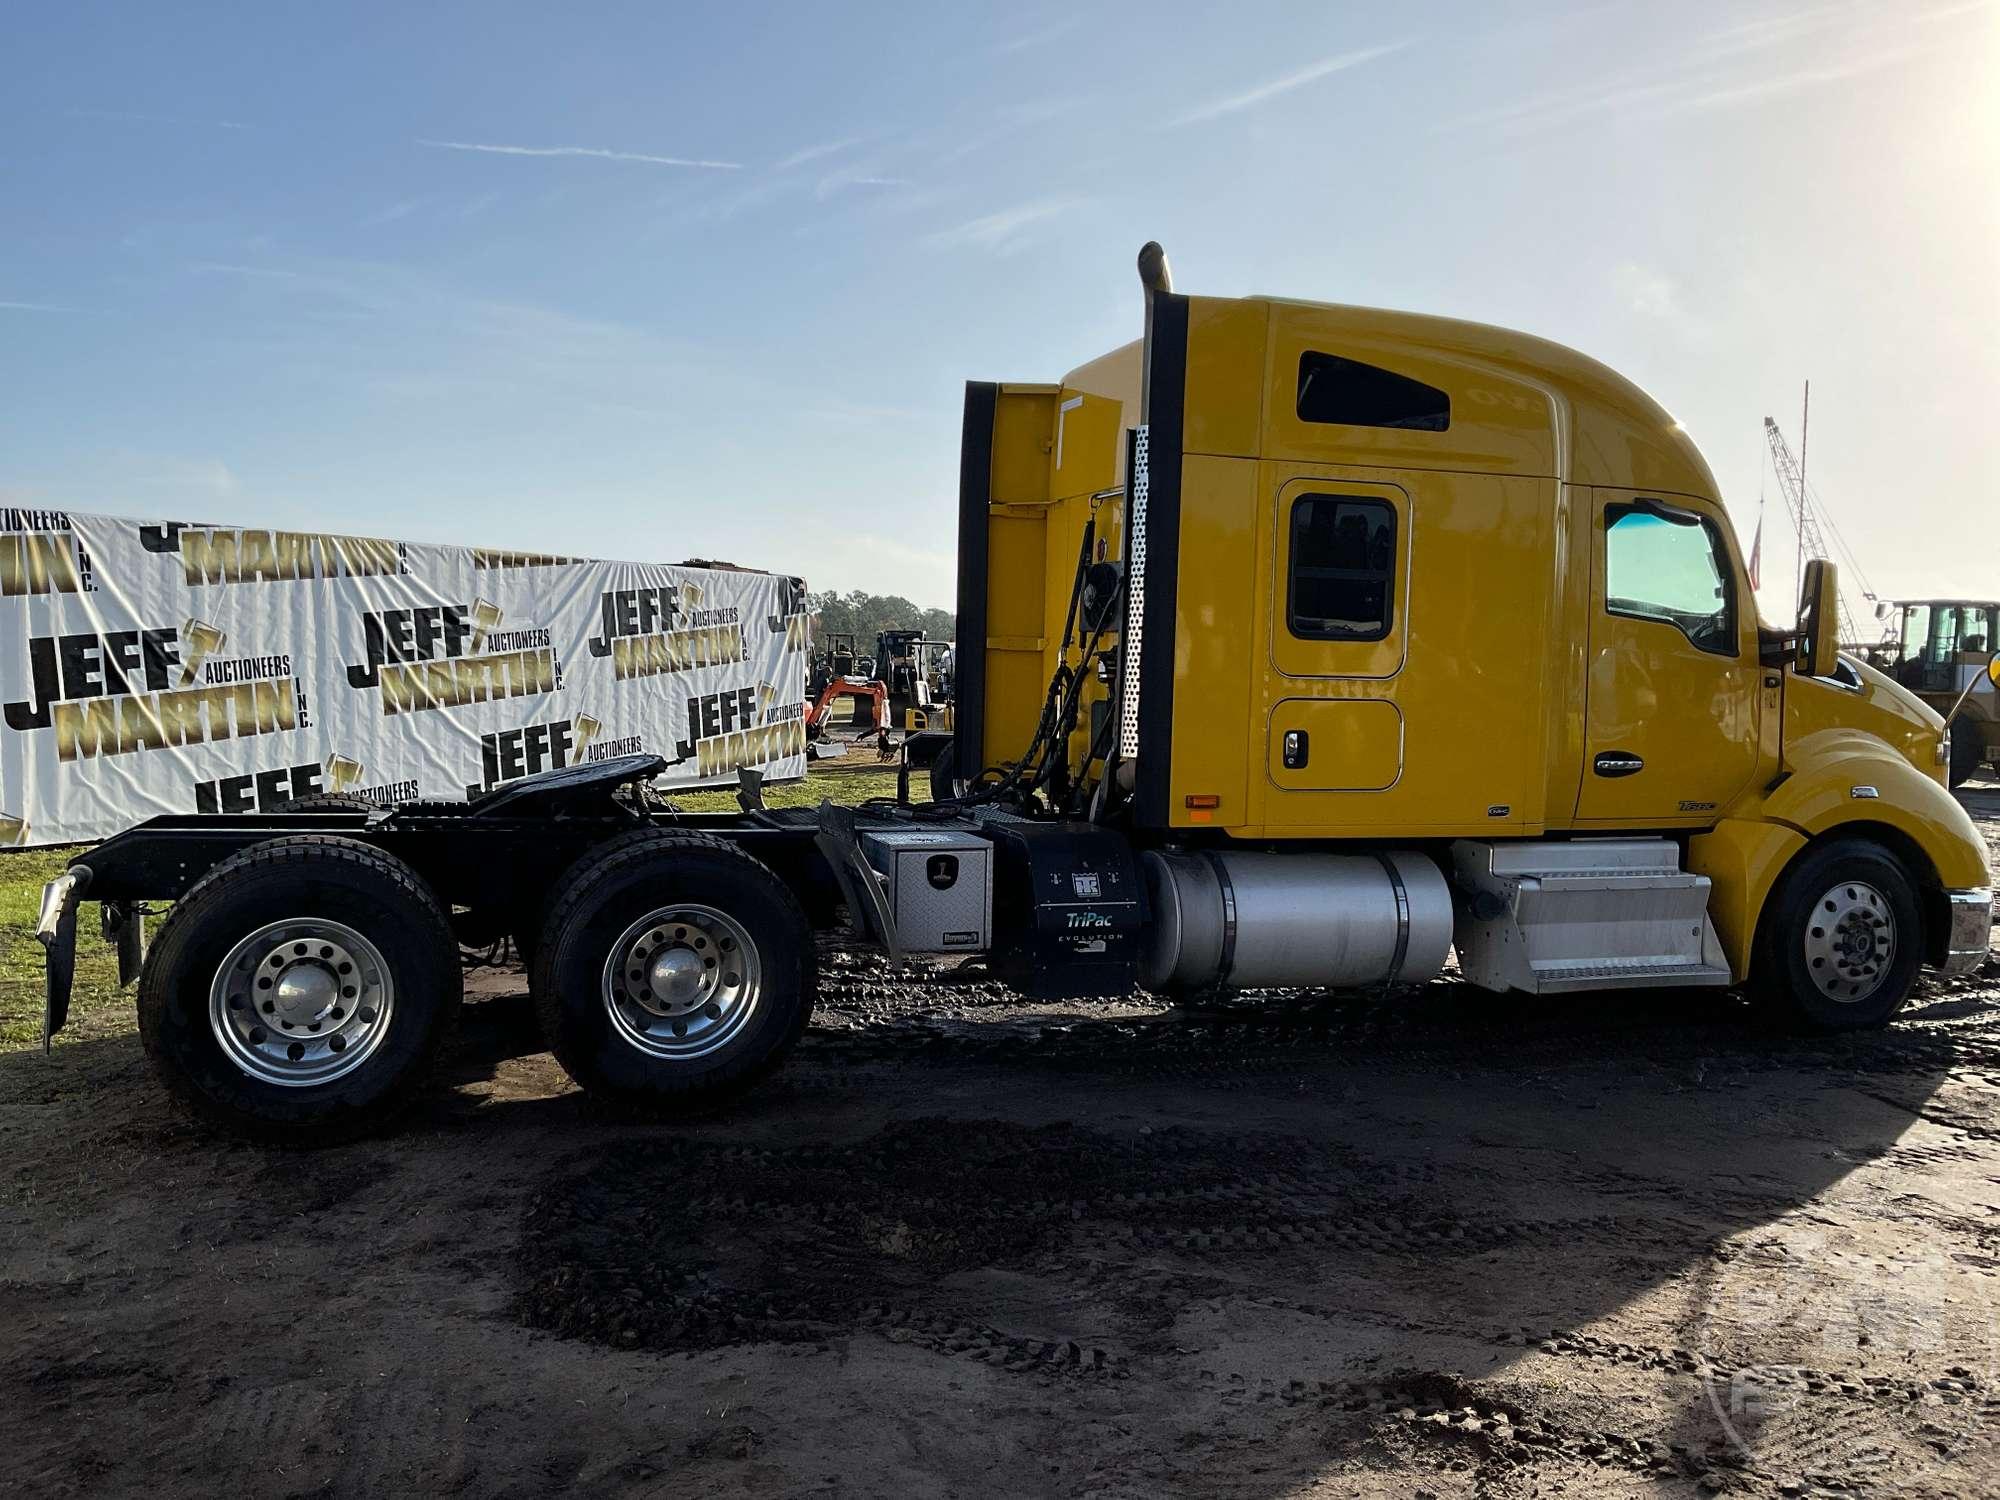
x=1436 y=1244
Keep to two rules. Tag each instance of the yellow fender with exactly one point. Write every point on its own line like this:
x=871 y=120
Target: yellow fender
x=1828 y=792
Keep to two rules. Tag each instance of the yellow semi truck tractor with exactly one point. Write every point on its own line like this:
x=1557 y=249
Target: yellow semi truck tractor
x=1434 y=634
x=1298 y=646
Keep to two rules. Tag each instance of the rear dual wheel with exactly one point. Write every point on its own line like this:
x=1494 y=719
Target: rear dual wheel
x=300 y=992
x=672 y=973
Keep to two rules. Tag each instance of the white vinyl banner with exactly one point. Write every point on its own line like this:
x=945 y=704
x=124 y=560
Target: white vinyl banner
x=165 y=667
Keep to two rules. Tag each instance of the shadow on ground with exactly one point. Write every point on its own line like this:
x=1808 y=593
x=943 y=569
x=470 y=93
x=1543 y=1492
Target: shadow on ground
x=964 y=1244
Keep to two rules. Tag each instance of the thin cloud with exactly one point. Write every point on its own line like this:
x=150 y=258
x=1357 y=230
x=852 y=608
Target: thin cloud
x=1739 y=65
x=815 y=153
x=1650 y=293
x=1011 y=120
x=1000 y=231
x=749 y=194
x=1038 y=38
x=325 y=292
x=394 y=212
x=852 y=177
x=227 y=268
x=597 y=152
x=135 y=116
x=1264 y=92
x=47 y=307
x=1803 y=78
x=1646 y=291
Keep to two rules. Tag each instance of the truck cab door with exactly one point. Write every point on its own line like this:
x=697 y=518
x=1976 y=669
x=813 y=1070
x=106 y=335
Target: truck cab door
x=1672 y=695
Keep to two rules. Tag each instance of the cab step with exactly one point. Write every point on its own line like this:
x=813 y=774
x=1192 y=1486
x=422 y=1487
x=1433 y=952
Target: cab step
x=1552 y=916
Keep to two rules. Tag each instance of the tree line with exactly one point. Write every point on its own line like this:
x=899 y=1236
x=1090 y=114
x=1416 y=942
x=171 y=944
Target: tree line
x=864 y=616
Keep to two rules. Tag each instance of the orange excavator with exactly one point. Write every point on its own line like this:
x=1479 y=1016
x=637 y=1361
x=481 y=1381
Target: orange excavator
x=843 y=680
x=863 y=688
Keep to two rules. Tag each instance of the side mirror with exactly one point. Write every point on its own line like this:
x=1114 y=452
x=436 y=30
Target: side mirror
x=1817 y=653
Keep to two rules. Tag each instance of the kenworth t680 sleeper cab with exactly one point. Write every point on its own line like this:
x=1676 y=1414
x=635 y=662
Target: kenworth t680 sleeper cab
x=1298 y=645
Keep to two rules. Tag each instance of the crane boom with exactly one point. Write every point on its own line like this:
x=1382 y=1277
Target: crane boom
x=1812 y=541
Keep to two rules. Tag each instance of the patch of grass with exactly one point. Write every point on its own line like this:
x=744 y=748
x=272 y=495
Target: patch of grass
x=853 y=779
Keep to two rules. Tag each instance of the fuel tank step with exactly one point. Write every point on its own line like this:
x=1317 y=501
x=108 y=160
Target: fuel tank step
x=1583 y=914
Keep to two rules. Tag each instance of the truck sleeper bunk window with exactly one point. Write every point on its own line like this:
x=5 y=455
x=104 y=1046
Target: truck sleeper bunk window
x=1343 y=566
x=1350 y=394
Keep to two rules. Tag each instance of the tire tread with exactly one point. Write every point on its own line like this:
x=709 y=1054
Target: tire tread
x=156 y=989
x=1773 y=984
x=576 y=886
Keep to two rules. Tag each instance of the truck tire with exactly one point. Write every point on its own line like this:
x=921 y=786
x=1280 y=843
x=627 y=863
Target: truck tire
x=326 y=802
x=532 y=914
x=300 y=992
x=673 y=972
x=1841 y=939
x=944 y=774
x=1968 y=750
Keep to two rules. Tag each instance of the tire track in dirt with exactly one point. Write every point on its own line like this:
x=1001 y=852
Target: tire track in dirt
x=1955 y=1385
x=688 y=1246
x=1439 y=1024
x=1507 y=1430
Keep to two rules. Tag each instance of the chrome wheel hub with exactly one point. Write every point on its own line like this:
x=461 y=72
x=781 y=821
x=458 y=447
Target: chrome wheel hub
x=682 y=982
x=301 y=1002
x=1850 y=942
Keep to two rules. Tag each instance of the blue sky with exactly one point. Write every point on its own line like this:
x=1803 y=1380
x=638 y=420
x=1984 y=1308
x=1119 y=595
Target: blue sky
x=644 y=280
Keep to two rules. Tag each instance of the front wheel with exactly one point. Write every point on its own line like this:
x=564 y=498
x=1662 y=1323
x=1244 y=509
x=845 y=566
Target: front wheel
x=301 y=990
x=673 y=972
x=1841 y=939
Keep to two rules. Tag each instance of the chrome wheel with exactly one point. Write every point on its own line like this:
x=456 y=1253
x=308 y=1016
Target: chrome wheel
x=682 y=981
x=1850 y=941
x=301 y=1002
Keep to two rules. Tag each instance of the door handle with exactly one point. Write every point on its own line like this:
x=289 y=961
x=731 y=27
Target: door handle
x=1298 y=748
x=1615 y=763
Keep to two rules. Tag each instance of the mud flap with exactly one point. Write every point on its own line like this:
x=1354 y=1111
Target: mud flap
x=124 y=929
x=860 y=886
x=56 y=930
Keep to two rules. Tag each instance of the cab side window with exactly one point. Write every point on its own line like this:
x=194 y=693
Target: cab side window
x=1916 y=631
x=1670 y=566
x=1343 y=566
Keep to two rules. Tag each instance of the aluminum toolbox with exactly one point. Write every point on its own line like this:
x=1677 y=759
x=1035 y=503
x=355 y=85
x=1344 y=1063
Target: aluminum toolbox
x=939 y=885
